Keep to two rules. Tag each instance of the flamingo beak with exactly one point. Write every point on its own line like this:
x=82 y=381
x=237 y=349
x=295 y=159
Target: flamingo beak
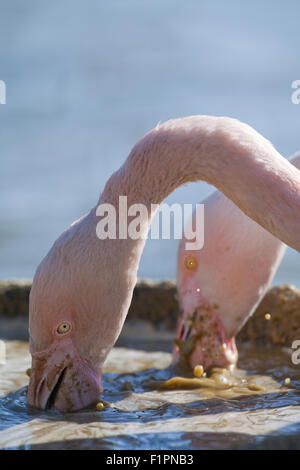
x=201 y=338
x=60 y=379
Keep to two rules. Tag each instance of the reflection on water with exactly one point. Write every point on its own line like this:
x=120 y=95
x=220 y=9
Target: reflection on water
x=145 y=417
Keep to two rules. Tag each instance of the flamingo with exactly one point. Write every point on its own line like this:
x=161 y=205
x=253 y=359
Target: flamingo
x=220 y=286
x=83 y=287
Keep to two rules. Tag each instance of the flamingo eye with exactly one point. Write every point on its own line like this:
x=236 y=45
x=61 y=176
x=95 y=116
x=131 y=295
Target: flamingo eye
x=191 y=263
x=63 y=328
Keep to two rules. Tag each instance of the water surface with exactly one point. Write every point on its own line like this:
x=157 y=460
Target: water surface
x=144 y=417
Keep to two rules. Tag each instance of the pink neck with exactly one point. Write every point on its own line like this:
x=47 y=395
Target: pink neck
x=223 y=152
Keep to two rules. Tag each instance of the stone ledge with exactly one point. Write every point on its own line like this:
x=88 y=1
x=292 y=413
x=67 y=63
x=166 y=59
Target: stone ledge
x=155 y=303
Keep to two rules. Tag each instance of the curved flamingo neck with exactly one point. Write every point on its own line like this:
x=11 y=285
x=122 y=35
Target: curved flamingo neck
x=221 y=151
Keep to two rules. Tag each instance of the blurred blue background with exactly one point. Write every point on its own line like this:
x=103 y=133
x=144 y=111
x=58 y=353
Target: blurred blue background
x=85 y=80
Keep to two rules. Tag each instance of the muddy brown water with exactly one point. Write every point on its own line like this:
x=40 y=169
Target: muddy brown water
x=147 y=415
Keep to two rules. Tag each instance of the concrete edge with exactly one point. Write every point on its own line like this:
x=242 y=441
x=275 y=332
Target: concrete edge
x=155 y=304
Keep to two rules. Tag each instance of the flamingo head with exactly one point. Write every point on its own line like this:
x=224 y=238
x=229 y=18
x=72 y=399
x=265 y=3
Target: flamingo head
x=66 y=363
x=76 y=313
x=201 y=336
x=220 y=285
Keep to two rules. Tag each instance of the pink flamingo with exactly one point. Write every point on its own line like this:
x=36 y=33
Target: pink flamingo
x=83 y=288
x=221 y=285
